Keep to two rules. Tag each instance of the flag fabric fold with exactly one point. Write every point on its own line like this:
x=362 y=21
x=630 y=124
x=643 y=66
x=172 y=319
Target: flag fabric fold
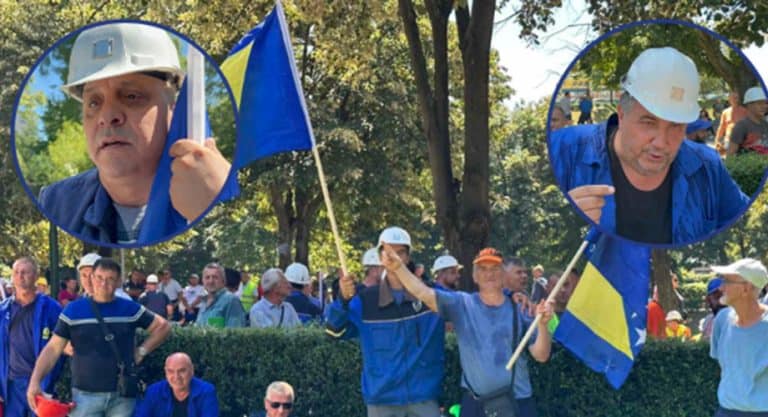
x=272 y=113
x=604 y=322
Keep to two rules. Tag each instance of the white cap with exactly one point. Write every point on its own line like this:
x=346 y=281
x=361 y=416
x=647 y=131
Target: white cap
x=674 y=315
x=371 y=257
x=88 y=260
x=750 y=269
x=754 y=94
x=297 y=273
x=666 y=83
x=117 y=49
x=270 y=278
x=394 y=236
x=152 y=279
x=445 y=261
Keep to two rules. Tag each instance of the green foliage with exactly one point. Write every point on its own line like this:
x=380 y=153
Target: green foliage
x=747 y=169
x=326 y=375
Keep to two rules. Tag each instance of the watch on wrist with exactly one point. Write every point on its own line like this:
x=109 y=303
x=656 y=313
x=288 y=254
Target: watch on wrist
x=142 y=351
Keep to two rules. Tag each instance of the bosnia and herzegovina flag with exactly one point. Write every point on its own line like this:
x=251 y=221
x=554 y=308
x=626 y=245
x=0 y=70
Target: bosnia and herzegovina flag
x=272 y=114
x=604 y=322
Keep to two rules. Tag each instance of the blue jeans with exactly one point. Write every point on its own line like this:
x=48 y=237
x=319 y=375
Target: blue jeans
x=101 y=404
x=16 y=403
x=470 y=407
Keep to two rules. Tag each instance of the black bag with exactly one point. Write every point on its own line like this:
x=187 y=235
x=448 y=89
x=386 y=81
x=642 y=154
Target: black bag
x=129 y=384
x=502 y=402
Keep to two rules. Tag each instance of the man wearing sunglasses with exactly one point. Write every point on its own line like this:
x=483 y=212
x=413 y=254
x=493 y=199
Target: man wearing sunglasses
x=740 y=340
x=278 y=401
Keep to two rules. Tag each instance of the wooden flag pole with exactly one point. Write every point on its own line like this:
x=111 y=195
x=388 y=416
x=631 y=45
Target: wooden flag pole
x=552 y=295
x=329 y=208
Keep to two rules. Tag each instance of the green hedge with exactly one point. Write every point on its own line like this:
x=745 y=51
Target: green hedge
x=747 y=170
x=670 y=379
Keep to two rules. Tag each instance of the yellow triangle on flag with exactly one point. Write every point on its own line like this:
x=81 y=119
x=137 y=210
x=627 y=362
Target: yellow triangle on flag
x=234 y=70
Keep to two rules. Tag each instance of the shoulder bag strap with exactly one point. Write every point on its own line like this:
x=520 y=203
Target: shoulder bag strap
x=109 y=337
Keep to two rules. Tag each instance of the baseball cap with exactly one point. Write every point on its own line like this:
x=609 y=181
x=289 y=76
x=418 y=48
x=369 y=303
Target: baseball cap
x=152 y=279
x=445 y=261
x=88 y=260
x=750 y=269
x=489 y=255
x=699 y=124
x=270 y=278
x=714 y=284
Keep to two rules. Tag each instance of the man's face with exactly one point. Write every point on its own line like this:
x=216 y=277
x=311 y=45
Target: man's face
x=85 y=279
x=165 y=276
x=673 y=324
x=283 y=288
x=734 y=288
x=757 y=109
x=71 y=284
x=151 y=286
x=646 y=144
x=137 y=277
x=515 y=277
x=193 y=280
x=245 y=277
x=178 y=373
x=488 y=276
x=734 y=99
x=213 y=281
x=402 y=252
x=104 y=282
x=126 y=119
x=24 y=276
x=450 y=276
x=713 y=300
x=275 y=404
x=557 y=120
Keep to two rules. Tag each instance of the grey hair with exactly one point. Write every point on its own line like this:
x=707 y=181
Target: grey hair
x=217 y=266
x=626 y=101
x=513 y=261
x=280 y=387
x=31 y=261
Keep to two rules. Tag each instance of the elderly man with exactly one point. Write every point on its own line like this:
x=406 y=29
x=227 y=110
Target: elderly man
x=401 y=341
x=278 y=401
x=220 y=308
x=127 y=75
x=488 y=326
x=180 y=394
x=272 y=310
x=26 y=321
x=750 y=134
x=102 y=330
x=635 y=175
x=740 y=341
x=446 y=271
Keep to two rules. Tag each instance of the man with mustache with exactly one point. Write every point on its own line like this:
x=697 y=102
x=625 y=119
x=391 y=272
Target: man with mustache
x=635 y=175
x=127 y=75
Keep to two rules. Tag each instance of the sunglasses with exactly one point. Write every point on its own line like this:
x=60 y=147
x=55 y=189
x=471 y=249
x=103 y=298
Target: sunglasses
x=276 y=405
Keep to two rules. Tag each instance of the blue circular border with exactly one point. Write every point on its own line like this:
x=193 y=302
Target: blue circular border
x=24 y=83
x=553 y=101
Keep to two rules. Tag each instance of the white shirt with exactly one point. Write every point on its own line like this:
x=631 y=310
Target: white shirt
x=172 y=289
x=192 y=294
x=265 y=314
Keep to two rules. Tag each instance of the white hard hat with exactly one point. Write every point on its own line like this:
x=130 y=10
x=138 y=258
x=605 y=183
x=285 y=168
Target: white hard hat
x=394 y=236
x=371 y=258
x=152 y=279
x=674 y=315
x=120 y=48
x=445 y=261
x=666 y=83
x=297 y=273
x=754 y=94
x=88 y=260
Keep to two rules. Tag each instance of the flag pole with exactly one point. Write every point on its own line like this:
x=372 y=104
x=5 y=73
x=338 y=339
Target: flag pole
x=195 y=95
x=551 y=297
x=329 y=208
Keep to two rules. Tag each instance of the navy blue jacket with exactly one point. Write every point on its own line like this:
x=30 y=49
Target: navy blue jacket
x=305 y=308
x=403 y=345
x=158 y=400
x=46 y=315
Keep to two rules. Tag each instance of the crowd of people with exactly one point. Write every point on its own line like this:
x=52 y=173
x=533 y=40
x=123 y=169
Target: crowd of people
x=399 y=318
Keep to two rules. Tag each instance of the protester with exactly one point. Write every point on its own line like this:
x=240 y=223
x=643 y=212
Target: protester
x=154 y=300
x=85 y=268
x=750 y=134
x=69 y=292
x=585 y=107
x=372 y=267
x=558 y=118
x=180 y=393
x=278 y=401
x=26 y=320
x=136 y=284
x=739 y=341
x=298 y=276
x=675 y=327
x=565 y=104
x=394 y=328
x=485 y=337
x=656 y=321
x=95 y=365
x=446 y=271
x=712 y=300
x=220 y=308
x=193 y=295
x=249 y=290
x=728 y=119
x=173 y=290
x=698 y=131
x=127 y=76
x=42 y=286
x=619 y=171
x=272 y=310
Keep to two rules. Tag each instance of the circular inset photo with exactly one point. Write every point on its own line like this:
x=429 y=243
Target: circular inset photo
x=657 y=133
x=132 y=122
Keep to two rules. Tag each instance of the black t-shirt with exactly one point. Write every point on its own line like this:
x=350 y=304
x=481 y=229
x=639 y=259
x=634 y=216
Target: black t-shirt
x=156 y=302
x=644 y=216
x=180 y=408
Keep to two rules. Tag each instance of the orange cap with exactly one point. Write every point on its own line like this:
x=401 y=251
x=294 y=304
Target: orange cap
x=488 y=255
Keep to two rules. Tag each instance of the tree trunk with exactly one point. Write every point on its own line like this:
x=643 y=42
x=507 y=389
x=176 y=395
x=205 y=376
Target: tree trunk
x=306 y=209
x=662 y=280
x=283 y=208
x=738 y=77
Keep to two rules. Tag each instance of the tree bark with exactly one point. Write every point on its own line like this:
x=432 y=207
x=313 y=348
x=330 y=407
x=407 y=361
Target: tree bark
x=283 y=208
x=662 y=280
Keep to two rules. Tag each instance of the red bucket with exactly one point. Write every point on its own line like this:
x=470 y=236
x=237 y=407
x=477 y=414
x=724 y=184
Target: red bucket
x=48 y=407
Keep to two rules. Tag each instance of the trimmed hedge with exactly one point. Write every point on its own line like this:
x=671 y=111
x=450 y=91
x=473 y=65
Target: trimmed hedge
x=747 y=170
x=670 y=379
